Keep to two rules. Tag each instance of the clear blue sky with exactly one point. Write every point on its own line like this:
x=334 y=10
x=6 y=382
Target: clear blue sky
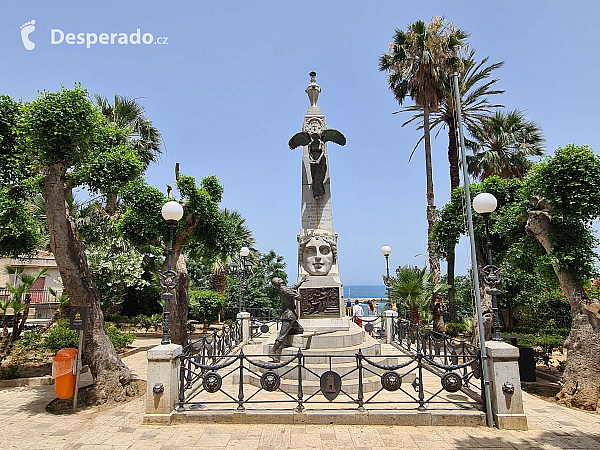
x=227 y=92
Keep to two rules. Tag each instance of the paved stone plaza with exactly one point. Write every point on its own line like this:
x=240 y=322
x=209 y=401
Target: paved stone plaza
x=26 y=425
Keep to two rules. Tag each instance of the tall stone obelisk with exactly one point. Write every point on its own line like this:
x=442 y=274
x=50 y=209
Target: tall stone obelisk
x=322 y=293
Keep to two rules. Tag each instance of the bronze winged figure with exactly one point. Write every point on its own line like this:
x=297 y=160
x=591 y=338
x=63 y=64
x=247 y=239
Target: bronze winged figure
x=318 y=162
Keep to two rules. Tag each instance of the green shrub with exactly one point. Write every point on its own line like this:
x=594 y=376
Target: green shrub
x=155 y=321
x=30 y=340
x=453 y=329
x=119 y=340
x=205 y=306
x=117 y=318
x=61 y=337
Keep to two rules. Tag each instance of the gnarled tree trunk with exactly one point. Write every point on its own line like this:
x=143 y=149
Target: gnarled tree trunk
x=111 y=376
x=581 y=379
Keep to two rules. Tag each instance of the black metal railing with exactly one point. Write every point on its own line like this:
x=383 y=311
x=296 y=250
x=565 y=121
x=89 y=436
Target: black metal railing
x=36 y=295
x=200 y=382
x=212 y=348
x=259 y=313
x=440 y=351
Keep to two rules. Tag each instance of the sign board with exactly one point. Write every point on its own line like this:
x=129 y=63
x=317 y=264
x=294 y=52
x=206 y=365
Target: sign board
x=79 y=318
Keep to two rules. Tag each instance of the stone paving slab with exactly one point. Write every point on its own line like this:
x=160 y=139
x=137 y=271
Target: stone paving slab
x=26 y=425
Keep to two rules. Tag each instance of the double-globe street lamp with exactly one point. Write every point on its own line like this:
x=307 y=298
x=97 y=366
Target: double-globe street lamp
x=386 y=251
x=485 y=204
x=172 y=212
x=242 y=273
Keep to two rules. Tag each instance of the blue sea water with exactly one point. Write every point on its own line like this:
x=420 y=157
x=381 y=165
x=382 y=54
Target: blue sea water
x=365 y=291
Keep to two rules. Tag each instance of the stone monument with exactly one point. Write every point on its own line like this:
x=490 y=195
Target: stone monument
x=322 y=293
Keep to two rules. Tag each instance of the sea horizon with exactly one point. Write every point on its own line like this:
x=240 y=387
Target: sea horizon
x=364 y=291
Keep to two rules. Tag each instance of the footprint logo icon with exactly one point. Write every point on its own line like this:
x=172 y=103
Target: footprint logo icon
x=26 y=30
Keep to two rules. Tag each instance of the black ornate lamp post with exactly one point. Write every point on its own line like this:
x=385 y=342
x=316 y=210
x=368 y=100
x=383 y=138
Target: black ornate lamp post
x=485 y=204
x=172 y=212
x=386 y=251
x=243 y=275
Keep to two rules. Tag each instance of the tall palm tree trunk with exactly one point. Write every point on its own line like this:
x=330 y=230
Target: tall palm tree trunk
x=454 y=183
x=434 y=262
x=414 y=316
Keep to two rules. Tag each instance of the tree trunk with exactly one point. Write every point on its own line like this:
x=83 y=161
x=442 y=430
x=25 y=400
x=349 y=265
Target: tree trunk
x=414 y=316
x=581 y=379
x=219 y=282
x=111 y=203
x=486 y=299
x=454 y=183
x=111 y=377
x=18 y=329
x=434 y=263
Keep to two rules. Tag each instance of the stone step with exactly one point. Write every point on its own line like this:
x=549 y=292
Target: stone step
x=327 y=340
x=340 y=355
x=315 y=371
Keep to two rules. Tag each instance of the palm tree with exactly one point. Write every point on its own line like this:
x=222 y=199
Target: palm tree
x=416 y=63
x=407 y=289
x=502 y=144
x=20 y=301
x=475 y=86
x=239 y=235
x=416 y=289
x=146 y=139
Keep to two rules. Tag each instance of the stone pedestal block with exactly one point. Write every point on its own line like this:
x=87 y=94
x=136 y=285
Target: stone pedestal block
x=389 y=316
x=245 y=318
x=163 y=383
x=505 y=386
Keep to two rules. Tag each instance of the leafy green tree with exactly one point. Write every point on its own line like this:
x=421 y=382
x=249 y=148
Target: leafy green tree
x=67 y=143
x=128 y=114
x=565 y=195
x=200 y=232
x=475 y=88
x=416 y=63
x=205 y=306
x=502 y=144
x=260 y=293
x=240 y=236
x=18 y=233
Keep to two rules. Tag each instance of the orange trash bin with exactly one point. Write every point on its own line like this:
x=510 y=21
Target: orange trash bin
x=63 y=372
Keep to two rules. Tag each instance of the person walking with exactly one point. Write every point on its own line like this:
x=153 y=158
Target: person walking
x=357 y=313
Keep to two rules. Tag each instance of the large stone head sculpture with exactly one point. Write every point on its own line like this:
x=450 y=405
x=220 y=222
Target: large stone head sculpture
x=318 y=252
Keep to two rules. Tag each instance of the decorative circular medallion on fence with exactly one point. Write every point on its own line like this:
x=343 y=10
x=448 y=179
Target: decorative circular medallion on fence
x=391 y=381
x=264 y=328
x=452 y=382
x=212 y=382
x=270 y=381
x=368 y=327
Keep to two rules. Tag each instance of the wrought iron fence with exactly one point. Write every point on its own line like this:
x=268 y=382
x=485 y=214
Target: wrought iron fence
x=211 y=349
x=197 y=379
x=267 y=314
x=442 y=353
x=36 y=295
